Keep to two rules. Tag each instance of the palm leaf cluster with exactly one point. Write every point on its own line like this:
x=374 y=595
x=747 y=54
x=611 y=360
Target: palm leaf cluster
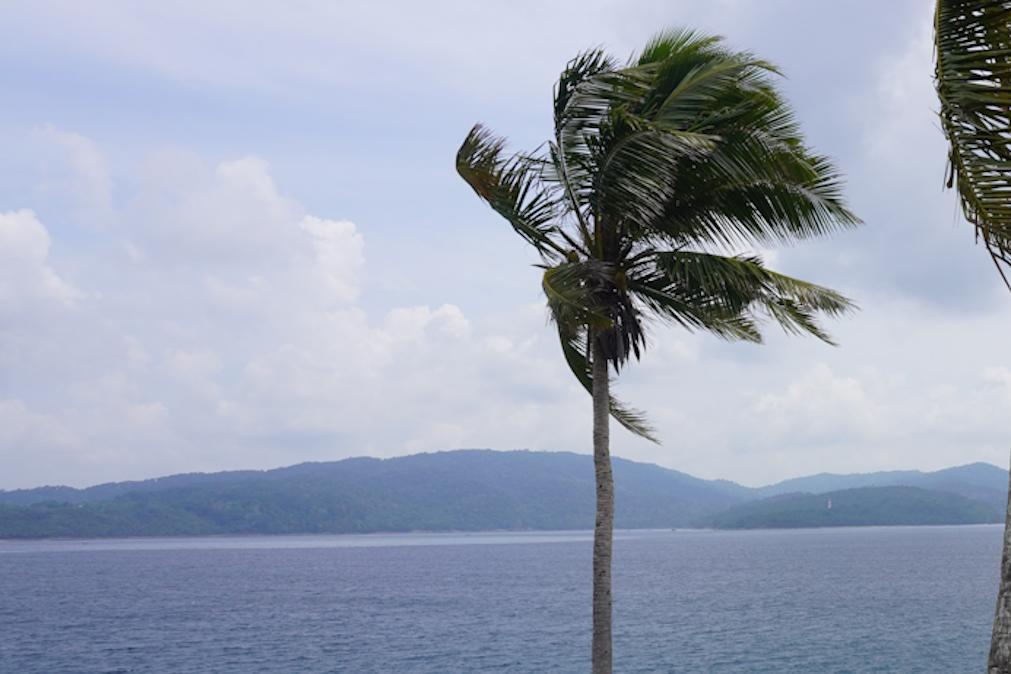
x=973 y=77
x=657 y=171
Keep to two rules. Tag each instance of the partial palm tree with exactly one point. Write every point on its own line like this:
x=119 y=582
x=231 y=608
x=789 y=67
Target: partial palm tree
x=659 y=173
x=973 y=78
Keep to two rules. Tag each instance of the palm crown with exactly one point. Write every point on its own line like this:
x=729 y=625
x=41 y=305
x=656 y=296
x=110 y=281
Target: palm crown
x=657 y=171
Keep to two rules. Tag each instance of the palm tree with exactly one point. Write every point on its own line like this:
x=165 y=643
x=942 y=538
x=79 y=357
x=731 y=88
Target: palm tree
x=973 y=77
x=657 y=172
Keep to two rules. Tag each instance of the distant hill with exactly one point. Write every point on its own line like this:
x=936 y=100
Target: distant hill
x=977 y=481
x=108 y=490
x=863 y=506
x=469 y=490
x=461 y=490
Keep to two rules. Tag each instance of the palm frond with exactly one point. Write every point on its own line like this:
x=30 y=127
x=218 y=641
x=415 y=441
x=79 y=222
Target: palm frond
x=703 y=96
x=590 y=293
x=635 y=174
x=749 y=193
x=973 y=78
x=577 y=72
x=740 y=285
x=590 y=90
x=571 y=290
x=574 y=349
x=732 y=168
x=512 y=187
x=663 y=301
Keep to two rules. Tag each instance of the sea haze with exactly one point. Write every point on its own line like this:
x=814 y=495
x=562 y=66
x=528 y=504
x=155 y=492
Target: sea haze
x=895 y=599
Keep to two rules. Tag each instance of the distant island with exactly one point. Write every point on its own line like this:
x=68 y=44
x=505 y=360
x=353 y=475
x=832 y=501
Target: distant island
x=864 y=506
x=473 y=490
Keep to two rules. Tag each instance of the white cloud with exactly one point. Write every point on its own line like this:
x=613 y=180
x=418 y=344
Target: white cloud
x=236 y=337
x=997 y=387
x=339 y=255
x=229 y=214
x=196 y=368
x=817 y=409
x=75 y=170
x=902 y=110
x=26 y=276
x=21 y=429
x=413 y=323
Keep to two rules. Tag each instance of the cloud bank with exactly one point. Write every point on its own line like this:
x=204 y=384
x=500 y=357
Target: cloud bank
x=239 y=242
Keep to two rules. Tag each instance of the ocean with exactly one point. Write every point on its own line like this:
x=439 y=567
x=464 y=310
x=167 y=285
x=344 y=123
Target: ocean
x=888 y=599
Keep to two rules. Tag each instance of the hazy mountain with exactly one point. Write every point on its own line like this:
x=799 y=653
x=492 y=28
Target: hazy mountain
x=977 y=481
x=862 y=506
x=110 y=490
x=459 y=490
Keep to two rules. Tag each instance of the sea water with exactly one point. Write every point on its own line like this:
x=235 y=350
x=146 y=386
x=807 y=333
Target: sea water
x=889 y=599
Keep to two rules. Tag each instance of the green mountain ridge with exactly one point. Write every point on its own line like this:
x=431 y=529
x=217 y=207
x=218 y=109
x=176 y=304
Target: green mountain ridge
x=861 y=506
x=978 y=481
x=463 y=490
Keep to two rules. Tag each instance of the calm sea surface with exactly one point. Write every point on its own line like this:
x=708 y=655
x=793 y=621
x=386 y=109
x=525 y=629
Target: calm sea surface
x=917 y=599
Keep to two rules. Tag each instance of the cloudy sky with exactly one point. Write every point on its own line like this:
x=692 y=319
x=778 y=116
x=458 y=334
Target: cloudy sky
x=231 y=236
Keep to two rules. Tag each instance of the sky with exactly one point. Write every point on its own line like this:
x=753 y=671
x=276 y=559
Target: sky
x=232 y=236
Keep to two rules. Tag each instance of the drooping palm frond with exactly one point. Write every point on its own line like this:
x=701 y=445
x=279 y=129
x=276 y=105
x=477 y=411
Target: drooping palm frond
x=973 y=78
x=574 y=349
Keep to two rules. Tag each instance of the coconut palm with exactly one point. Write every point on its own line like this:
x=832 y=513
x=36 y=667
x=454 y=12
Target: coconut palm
x=973 y=77
x=658 y=171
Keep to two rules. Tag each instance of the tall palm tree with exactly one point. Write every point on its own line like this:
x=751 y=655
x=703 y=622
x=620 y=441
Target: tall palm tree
x=657 y=172
x=973 y=77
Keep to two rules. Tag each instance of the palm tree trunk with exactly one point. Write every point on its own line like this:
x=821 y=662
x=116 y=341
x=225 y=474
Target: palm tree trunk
x=1000 y=642
x=604 y=529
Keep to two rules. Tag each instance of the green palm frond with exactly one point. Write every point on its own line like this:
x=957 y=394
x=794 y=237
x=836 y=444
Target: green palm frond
x=745 y=196
x=594 y=293
x=663 y=302
x=577 y=74
x=676 y=43
x=513 y=188
x=708 y=152
x=742 y=284
x=574 y=350
x=973 y=78
x=635 y=174
x=571 y=292
x=590 y=90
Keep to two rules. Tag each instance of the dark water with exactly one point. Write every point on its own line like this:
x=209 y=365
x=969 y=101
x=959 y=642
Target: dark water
x=843 y=600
